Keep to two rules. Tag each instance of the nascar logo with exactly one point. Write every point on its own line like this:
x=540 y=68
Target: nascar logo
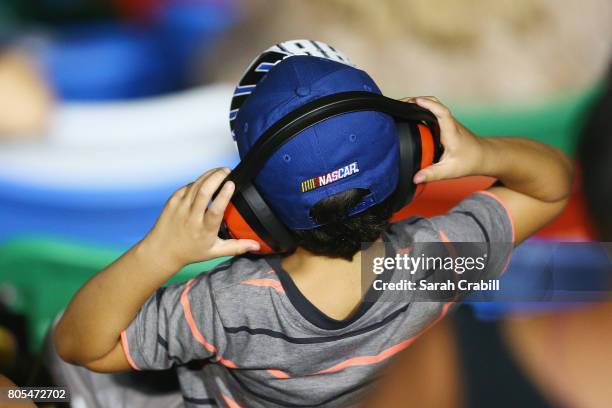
x=328 y=178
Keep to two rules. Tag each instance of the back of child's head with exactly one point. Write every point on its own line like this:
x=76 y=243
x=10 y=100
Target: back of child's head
x=595 y=158
x=332 y=183
x=342 y=236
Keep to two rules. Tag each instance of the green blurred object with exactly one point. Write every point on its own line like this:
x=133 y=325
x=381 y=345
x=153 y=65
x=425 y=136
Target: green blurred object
x=555 y=120
x=39 y=276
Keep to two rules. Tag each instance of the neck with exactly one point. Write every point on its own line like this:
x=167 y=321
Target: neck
x=303 y=260
x=333 y=285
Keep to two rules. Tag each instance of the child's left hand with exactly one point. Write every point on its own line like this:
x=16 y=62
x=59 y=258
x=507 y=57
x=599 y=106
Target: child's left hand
x=462 y=148
x=186 y=231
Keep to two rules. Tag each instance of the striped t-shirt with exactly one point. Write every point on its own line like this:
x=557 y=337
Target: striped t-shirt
x=242 y=335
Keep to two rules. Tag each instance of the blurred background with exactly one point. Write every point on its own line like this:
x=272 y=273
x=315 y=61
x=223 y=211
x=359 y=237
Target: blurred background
x=108 y=106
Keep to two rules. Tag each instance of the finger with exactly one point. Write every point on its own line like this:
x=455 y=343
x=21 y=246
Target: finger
x=441 y=112
x=410 y=99
x=196 y=185
x=435 y=172
x=434 y=106
x=203 y=194
x=186 y=189
x=177 y=196
x=431 y=98
x=213 y=216
x=233 y=247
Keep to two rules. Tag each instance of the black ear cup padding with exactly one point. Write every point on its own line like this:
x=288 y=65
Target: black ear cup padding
x=262 y=220
x=438 y=148
x=409 y=162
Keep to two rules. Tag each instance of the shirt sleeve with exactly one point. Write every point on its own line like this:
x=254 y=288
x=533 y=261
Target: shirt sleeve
x=177 y=324
x=480 y=218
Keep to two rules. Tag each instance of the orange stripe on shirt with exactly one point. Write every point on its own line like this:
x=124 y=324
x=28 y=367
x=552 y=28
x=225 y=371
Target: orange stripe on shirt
x=369 y=360
x=445 y=310
x=126 y=351
x=385 y=354
x=271 y=283
x=196 y=332
x=447 y=243
x=278 y=373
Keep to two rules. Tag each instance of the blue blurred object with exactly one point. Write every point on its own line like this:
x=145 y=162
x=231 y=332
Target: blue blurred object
x=111 y=217
x=190 y=28
x=114 y=218
x=545 y=276
x=108 y=61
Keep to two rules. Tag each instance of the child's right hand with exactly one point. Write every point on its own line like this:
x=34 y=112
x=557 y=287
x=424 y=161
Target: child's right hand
x=89 y=332
x=186 y=231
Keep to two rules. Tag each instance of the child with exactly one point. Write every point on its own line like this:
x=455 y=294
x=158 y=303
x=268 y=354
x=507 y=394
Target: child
x=294 y=330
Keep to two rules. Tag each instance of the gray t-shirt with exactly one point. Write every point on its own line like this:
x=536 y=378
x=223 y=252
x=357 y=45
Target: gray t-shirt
x=242 y=335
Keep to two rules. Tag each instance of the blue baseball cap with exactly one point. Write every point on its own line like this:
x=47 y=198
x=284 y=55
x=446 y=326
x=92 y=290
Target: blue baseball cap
x=352 y=150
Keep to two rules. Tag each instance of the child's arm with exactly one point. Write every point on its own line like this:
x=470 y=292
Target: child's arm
x=535 y=177
x=186 y=232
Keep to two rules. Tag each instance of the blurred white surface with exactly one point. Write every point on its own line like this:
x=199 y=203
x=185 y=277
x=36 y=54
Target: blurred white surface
x=138 y=143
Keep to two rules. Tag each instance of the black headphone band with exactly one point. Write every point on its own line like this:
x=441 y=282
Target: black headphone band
x=319 y=110
x=262 y=220
x=404 y=192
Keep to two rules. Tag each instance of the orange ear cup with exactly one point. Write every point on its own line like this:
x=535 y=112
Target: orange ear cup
x=427 y=146
x=427 y=157
x=238 y=228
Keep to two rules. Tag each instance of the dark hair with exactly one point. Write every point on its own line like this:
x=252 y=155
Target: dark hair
x=595 y=158
x=341 y=236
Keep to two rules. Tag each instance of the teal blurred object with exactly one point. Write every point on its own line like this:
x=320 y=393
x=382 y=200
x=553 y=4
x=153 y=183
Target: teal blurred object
x=555 y=120
x=45 y=12
x=39 y=276
x=8 y=20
